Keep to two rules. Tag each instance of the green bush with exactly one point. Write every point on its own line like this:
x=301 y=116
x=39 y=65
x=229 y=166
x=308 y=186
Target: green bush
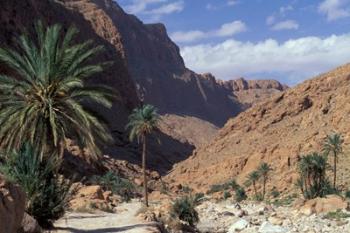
x=184 y=209
x=240 y=194
x=47 y=192
x=232 y=184
x=114 y=183
x=227 y=195
x=347 y=194
x=275 y=193
x=337 y=215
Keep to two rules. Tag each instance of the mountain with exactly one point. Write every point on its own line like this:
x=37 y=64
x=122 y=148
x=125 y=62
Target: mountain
x=278 y=131
x=92 y=19
x=146 y=64
x=155 y=64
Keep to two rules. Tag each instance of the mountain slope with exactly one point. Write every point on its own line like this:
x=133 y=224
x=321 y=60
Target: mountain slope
x=277 y=131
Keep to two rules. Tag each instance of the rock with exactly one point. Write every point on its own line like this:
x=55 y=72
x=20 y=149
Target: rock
x=242 y=213
x=12 y=205
x=29 y=225
x=238 y=226
x=91 y=192
x=227 y=213
x=267 y=227
x=323 y=205
x=275 y=220
x=107 y=195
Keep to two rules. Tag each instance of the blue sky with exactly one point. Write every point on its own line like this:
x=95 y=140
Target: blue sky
x=287 y=40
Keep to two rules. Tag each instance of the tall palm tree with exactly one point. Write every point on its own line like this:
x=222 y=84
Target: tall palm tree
x=264 y=170
x=252 y=178
x=42 y=102
x=142 y=122
x=334 y=144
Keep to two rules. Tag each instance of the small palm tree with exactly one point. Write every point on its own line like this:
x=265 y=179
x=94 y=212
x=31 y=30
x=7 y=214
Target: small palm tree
x=42 y=103
x=252 y=178
x=142 y=122
x=334 y=145
x=264 y=170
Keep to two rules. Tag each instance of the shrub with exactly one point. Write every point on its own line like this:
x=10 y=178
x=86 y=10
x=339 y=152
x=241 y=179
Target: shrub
x=184 y=209
x=347 y=194
x=227 y=195
x=47 y=192
x=275 y=193
x=336 y=215
x=232 y=184
x=240 y=194
x=114 y=183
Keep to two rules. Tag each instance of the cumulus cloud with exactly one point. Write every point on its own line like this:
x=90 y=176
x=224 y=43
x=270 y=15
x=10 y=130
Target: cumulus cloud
x=285 y=25
x=290 y=62
x=232 y=2
x=155 y=8
x=226 y=30
x=335 y=9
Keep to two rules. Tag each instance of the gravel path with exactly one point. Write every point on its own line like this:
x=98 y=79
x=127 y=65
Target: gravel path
x=122 y=221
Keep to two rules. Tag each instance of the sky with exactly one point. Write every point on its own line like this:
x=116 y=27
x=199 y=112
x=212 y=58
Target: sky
x=286 y=40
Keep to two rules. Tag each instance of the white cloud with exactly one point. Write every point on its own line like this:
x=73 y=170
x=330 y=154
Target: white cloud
x=270 y=20
x=285 y=9
x=139 y=6
x=226 y=30
x=155 y=9
x=169 y=8
x=285 y=25
x=335 y=9
x=290 y=62
x=232 y=2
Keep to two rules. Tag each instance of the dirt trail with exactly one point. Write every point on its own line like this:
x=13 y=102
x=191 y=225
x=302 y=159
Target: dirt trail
x=122 y=221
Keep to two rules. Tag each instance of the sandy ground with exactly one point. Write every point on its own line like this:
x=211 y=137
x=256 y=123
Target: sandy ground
x=122 y=221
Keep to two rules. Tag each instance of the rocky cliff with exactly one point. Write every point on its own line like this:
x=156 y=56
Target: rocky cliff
x=277 y=131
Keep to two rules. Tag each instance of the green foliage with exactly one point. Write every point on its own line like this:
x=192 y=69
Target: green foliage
x=232 y=184
x=347 y=194
x=186 y=189
x=313 y=181
x=337 y=215
x=47 y=193
x=184 y=209
x=240 y=194
x=275 y=193
x=199 y=197
x=43 y=102
x=114 y=183
x=227 y=195
x=286 y=201
x=264 y=170
x=142 y=121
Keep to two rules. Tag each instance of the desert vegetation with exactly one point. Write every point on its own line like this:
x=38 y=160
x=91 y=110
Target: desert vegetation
x=142 y=122
x=43 y=102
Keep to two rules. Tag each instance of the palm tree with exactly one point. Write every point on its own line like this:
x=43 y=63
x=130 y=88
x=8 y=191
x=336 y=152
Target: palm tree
x=42 y=102
x=252 y=178
x=333 y=144
x=142 y=122
x=264 y=170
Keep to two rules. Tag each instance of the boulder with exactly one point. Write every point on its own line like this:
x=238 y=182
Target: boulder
x=267 y=227
x=323 y=205
x=91 y=192
x=30 y=225
x=240 y=225
x=12 y=206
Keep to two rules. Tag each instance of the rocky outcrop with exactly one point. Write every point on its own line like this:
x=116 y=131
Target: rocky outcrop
x=277 y=131
x=12 y=204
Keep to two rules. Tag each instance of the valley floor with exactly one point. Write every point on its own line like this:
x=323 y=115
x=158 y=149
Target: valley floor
x=124 y=220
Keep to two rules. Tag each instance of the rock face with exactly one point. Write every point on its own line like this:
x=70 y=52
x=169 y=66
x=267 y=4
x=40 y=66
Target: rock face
x=155 y=63
x=278 y=132
x=324 y=205
x=12 y=204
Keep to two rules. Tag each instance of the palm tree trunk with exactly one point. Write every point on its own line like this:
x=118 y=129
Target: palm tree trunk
x=264 y=187
x=335 y=171
x=144 y=170
x=255 y=191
